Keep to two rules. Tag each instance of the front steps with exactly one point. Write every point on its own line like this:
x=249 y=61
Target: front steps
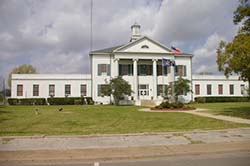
x=148 y=103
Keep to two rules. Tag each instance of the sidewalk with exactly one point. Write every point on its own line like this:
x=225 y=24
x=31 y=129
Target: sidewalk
x=122 y=146
x=199 y=112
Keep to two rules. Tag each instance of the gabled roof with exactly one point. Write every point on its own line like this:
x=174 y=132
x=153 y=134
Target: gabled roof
x=106 y=50
x=140 y=39
x=120 y=47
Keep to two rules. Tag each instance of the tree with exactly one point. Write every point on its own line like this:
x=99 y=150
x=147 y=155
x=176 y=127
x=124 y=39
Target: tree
x=234 y=57
x=23 y=69
x=181 y=86
x=118 y=88
x=242 y=13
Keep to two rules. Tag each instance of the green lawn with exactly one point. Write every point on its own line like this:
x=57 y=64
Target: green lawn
x=22 y=120
x=237 y=109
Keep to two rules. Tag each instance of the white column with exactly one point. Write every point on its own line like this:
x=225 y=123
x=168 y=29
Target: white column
x=155 y=79
x=116 y=69
x=135 y=79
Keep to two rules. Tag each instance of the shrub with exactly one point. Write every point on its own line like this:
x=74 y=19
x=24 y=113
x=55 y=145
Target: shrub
x=171 y=105
x=177 y=105
x=27 y=101
x=214 y=99
x=66 y=101
x=33 y=101
x=13 y=101
x=89 y=101
x=165 y=105
x=200 y=100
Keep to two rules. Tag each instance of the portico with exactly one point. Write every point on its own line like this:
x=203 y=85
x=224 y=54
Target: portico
x=144 y=75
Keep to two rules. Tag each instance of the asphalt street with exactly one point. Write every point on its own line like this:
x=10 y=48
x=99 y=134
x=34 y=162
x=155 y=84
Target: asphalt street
x=222 y=159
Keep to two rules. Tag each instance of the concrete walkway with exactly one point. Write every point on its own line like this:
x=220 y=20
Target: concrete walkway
x=199 y=112
x=220 y=117
x=122 y=141
x=109 y=147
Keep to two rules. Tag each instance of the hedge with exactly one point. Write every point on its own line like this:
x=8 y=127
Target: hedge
x=27 y=101
x=89 y=101
x=52 y=101
x=215 y=99
x=67 y=101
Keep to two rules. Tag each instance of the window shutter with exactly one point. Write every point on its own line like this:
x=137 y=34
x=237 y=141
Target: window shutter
x=108 y=69
x=98 y=90
x=99 y=69
x=185 y=71
x=176 y=70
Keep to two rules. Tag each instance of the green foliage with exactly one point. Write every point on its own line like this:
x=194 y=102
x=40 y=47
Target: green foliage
x=89 y=101
x=13 y=101
x=118 y=88
x=171 y=105
x=200 y=100
x=27 y=101
x=234 y=57
x=215 y=99
x=23 y=69
x=242 y=15
x=52 y=101
x=181 y=86
x=1 y=98
x=66 y=101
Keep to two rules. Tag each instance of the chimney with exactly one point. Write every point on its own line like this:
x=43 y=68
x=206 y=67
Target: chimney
x=136 y=34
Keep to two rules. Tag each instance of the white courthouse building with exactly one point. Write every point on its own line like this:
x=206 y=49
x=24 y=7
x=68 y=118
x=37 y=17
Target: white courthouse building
x=139 y=62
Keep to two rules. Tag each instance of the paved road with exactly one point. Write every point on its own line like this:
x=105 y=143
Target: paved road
x=226 y=159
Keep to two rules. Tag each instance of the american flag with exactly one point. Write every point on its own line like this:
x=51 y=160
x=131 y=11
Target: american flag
x=175 y=50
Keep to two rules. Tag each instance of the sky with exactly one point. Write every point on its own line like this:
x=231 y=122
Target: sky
x=54 y=35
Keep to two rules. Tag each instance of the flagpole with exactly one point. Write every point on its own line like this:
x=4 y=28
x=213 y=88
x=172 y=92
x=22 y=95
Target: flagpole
x=163 y=87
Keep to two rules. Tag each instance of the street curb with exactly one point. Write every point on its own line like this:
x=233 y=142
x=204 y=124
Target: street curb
x=122 y=153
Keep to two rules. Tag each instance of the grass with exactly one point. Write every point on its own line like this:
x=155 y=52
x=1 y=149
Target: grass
x=237 y=109
x=74 y=120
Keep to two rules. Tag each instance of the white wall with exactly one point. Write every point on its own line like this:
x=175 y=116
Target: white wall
x=44 y=80
x=215 y=80
x=103 y=79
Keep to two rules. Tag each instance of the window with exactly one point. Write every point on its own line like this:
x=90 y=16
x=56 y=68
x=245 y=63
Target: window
x=19 y=90
x=103 y=69
x=197 y=89
x=231 y=89
x=83 y=90
x=181 y=70
x=35 y=90
x=125 y=69
x=51 y=90
x=220 y=89
x=242 y=89
x=166 y=70
x=160 y=90
x=209 y=89
x=145 y=70
x=67 y=89
x=100 y=89
x=145 y=47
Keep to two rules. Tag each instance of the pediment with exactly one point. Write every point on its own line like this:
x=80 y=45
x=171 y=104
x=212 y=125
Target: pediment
x=144 y=45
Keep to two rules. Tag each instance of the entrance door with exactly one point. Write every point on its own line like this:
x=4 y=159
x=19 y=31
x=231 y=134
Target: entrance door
x=143 y=91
